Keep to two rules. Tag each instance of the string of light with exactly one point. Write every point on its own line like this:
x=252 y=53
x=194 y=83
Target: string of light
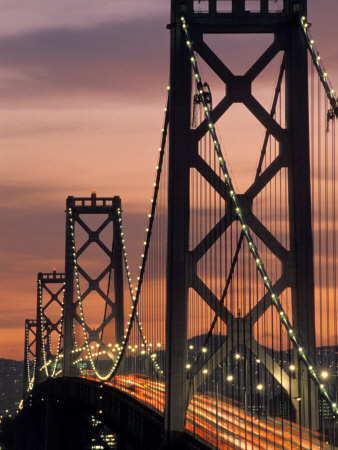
x=77 y=350
x=246 y=231
x=317 y=61
x=31 y=380
x=151 y=216
x=134 y=296
x=58 y=351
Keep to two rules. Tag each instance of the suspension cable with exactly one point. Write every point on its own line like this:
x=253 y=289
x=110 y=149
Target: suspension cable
x=135 y=297
x=330 y=92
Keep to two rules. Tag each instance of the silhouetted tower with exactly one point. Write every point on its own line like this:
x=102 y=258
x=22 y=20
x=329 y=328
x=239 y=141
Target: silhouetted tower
x=50 y=292
x=107 y=209
x=30 y=350
x=297 y=263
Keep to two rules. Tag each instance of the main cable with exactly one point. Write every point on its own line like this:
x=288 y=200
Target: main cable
x=135 y=297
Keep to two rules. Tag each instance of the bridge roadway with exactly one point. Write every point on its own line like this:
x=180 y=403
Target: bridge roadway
x=133 y=406
x=138 y=425
x=236 y=429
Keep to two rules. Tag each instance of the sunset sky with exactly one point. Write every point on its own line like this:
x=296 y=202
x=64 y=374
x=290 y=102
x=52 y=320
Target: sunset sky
x=82 y=89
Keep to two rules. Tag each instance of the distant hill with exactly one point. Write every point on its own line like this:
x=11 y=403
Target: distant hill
x=11 y=372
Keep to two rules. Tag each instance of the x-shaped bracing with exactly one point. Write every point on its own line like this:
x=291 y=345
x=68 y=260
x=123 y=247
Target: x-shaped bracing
x=95 y=335
x=53 y=297
x=239 y=329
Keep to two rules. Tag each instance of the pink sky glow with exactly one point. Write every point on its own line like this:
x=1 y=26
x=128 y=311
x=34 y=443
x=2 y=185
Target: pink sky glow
x=82 y=88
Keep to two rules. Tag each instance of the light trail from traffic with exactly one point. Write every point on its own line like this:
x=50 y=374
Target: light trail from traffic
x=221 y=424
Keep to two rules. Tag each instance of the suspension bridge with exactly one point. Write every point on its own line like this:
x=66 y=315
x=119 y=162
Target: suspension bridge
x=228 y=337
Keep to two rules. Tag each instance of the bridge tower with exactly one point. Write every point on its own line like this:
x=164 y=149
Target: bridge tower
x=50 y=290
x=293 y=140
x=82 y=209
x=30 y=350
